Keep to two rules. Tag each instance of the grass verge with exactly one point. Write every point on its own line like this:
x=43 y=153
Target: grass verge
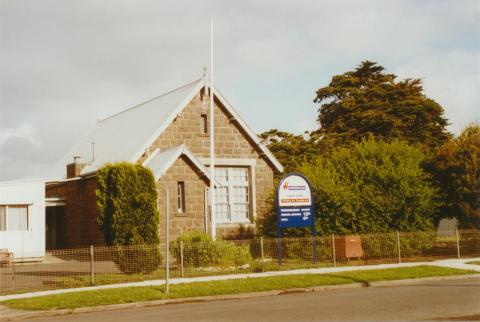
x=150 y=293
x=104 y=279
x=474 y=262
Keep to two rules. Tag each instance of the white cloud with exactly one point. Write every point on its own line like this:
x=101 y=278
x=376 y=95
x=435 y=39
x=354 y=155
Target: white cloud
x=24 y=131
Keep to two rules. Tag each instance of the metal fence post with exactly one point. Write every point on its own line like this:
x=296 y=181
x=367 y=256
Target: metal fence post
x=458 y=242
x=398 y=248
x=167 y=257
x=262 y=254
x=181 y=258
x=13 y=275
x=334 y=255
x=92 y=281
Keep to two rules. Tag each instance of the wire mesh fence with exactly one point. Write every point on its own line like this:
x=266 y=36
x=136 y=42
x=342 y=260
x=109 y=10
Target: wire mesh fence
x=87 y=266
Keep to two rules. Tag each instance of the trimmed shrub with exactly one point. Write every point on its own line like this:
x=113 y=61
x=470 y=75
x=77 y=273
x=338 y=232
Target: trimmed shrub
x=137 y=259
x=200 y=250
x=129 y=219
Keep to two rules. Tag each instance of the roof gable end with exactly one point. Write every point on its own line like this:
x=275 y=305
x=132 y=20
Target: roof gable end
x=236 y=117
x=160 y=161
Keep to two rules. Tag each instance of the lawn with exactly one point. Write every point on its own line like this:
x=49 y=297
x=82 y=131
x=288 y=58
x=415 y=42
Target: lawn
x=104 y=278
x=474 y=263
x=136 y=294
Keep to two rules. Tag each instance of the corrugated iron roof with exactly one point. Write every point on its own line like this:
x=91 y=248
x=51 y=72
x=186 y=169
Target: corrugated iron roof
x=121 y=137
x=125 y=136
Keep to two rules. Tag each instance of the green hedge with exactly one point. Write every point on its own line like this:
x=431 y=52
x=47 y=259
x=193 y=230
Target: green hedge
x=128 y=216
x=137 y=259
x=385 y=245
x=200 y=250
x=300 y=248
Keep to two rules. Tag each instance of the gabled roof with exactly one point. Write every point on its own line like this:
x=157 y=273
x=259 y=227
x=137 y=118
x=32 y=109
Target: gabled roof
x=126 y=135
x=160 y=161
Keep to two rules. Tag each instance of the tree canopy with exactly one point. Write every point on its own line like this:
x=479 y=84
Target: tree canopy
x=368 y=101
x=373 y=186
x=291 y=150
x=369 y=187
x=457 y=169
x=382 y=158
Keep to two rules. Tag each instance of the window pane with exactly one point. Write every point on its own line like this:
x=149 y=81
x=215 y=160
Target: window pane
x=240 y=212
x=221 y=175
x=180 y=196
x=222 y=212
x=240 y=194
x=3 y=218
x=222 y=194
x=203 y=123
x=240 y=175
x=17 y=218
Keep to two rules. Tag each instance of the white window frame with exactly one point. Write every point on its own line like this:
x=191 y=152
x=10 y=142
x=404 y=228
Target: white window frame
x=26 y=206
x=230 y=185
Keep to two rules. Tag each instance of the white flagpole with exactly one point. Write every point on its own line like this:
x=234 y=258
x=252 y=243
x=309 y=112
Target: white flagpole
x=213 y=224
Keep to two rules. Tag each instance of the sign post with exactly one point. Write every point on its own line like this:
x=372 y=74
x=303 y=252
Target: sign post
x=295 y=208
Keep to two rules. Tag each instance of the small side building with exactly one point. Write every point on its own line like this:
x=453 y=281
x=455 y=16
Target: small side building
x=22 y=219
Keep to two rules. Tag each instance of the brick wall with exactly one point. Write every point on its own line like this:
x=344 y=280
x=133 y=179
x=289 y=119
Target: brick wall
x=80 y=211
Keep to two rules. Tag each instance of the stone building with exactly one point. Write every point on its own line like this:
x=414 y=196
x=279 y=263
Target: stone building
x=170 y=135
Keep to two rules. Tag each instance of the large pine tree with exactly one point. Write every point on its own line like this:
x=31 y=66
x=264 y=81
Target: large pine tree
x=368 y=101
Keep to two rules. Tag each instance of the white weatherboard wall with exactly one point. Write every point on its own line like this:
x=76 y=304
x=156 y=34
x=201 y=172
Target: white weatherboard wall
x=25 y=244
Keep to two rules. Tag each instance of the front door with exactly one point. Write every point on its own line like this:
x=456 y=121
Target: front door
x=54 y=227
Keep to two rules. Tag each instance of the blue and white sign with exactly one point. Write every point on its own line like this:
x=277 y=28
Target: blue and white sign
x=294 y=202
x=295 y=208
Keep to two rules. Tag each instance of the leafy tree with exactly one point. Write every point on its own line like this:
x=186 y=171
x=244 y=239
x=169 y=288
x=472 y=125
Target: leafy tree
x=370 y=187
x=374 y=186
x=457 y=169
x=292 y=150
x=368 y=101
x=127 y=203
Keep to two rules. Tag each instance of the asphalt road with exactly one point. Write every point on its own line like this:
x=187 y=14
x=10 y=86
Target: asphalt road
x=454 y=299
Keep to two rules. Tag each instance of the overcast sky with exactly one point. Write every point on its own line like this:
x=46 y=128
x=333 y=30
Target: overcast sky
x=65 y=64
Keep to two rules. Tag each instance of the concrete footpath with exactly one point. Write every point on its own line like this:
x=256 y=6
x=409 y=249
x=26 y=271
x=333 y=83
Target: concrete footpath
x=451 y=263
x=7 y=314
